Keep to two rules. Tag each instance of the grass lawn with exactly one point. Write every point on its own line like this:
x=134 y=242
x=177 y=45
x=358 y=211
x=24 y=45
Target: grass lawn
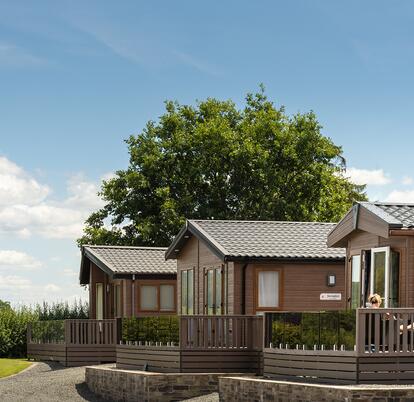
x=12 y=366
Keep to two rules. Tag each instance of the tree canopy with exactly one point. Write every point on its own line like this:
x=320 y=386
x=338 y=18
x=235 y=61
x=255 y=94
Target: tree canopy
x=216 y=161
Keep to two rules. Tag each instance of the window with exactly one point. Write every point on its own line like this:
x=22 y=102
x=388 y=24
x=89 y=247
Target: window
x=214 y=291
x=157 y=297
x=117 y=301
x=99 y=301
x=267 y=289
x=167 y=297
x=355 y=281
x=187 y=292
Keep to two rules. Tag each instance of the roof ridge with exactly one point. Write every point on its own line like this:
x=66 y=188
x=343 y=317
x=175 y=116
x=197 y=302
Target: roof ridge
x=124 y=247
x=384 y=203
x=248 y=221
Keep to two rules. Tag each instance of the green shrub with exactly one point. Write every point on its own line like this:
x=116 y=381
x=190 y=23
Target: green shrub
x=46 y=324
x=13 y=327
x=153 y=329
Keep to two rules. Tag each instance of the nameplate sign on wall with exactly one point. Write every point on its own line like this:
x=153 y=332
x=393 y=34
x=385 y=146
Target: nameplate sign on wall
x=330 y=296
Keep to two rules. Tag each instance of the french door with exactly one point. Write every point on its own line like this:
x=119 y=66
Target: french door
x=384 y=275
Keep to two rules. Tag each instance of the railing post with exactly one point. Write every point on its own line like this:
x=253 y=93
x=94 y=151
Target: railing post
x=118 y=330
x=360 y=332
x=67 y=332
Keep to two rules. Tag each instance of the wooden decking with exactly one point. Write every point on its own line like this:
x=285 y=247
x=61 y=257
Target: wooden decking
x=383 y=353
x=83 y=342
x=208 y=344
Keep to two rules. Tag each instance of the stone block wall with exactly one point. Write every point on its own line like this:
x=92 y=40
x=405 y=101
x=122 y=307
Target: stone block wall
x=131 y=385
x=232 y=389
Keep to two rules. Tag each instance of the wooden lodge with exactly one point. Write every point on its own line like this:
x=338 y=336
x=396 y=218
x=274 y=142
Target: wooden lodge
x=128 y=281
x=248 y=267
x=286 y=300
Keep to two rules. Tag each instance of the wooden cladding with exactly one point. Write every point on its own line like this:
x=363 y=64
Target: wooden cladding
x=158 y=359
x=316 y=366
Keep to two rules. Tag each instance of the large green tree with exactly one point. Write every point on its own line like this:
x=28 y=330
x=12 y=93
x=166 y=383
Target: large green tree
x=215 y=161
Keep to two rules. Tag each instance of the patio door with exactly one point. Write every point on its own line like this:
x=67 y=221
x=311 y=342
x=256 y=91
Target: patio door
x=384 y=275
x=213 y=291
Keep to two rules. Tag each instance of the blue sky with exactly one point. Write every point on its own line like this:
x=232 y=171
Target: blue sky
x=77 y=78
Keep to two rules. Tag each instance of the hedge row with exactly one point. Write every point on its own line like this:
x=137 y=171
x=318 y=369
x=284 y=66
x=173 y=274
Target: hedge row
x=13 y=322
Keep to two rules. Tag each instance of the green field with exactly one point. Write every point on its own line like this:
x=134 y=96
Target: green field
x=12 y=366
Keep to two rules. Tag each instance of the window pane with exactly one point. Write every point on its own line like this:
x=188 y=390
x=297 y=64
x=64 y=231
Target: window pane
x=99 y=301
x=268 y=289
x=356 y=281
x=218 y=291
x=210 y=291
x=117 y=300
x=149 y=298
x=379 y=273
x=184 y=308
x=167 y=298
x=190 y=292
x=394 y=279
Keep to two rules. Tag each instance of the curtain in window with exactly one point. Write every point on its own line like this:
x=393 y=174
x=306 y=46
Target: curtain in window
x=167 y=297
x=148 y=298
x=268 y=289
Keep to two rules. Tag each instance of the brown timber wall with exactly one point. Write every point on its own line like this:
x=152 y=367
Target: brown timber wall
x=175 y=360
x=221 y=361
x=47 y=351
x=155 y=358
x=306 y=365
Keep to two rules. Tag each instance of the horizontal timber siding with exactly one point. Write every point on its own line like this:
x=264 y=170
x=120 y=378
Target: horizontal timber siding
x=221 y=361
x=47 y=351
x=303 y=365
x=157 y=359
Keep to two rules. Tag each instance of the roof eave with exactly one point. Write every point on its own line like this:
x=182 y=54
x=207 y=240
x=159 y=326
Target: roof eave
x=98 y=262
x=192 y=227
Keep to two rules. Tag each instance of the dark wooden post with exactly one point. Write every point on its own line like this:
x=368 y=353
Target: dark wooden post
x=118 y=330
x=67 y=332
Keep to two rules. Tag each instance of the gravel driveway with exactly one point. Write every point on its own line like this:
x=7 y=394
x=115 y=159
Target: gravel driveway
x=53 y=382
x=47 y=382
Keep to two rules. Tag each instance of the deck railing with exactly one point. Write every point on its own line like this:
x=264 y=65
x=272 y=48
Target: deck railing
x=385 y=331
x=74 y=332
x=91 y=332
x=221 y=332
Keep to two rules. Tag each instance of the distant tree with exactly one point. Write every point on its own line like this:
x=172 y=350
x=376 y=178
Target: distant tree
x=215 y=161
x=4 y=305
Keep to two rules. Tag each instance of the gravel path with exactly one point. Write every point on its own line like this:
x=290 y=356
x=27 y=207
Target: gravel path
x=47 y=382
x=53 y=382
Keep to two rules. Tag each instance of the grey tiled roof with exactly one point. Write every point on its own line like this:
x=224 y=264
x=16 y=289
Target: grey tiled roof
x=270 y=239
x=401 y=215
x=133 y=260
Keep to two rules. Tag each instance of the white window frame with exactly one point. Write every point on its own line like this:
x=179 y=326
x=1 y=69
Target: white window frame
x=387 y=251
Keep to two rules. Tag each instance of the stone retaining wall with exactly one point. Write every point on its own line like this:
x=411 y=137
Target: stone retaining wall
x=131 y=385
x=258 y=390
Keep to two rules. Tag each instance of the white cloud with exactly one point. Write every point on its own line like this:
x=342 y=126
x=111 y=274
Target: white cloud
x=16 y=186
x=375 y=177
x=401 y=196
x=407 y=181
x=18 y=260
x=51 y=287
x=27 y=209
x=69 y=272
x=14 y=283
